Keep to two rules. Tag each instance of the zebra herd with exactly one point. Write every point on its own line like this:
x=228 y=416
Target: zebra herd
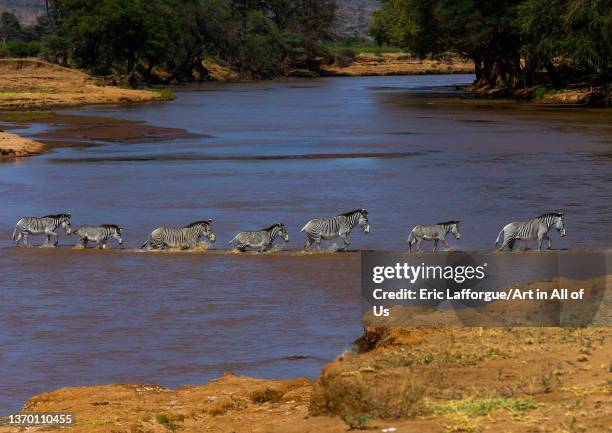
x=318 y=229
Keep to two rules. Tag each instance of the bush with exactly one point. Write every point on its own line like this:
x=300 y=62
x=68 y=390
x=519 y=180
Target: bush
x=20 y=49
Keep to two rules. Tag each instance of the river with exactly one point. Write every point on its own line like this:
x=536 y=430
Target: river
x=270 y=152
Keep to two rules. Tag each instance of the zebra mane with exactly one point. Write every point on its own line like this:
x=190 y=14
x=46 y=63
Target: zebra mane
x=198 y=223
x=361 y=211
x=111 y=226
x=59 y=215
x=551 y=214
x=447 y=223
x=272 y=226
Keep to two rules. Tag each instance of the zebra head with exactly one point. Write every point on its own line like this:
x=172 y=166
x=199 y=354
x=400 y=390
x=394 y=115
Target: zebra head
x=558 y=224
x=453 y=228
x=363 y=221
x=64 y=222
x=115 y=232
x=283 y=231
x=202 y=228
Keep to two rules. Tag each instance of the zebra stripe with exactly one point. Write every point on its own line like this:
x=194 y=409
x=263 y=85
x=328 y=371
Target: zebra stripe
x=332 y=227
x=45 y=225
x=534 y=229
x=185 y=238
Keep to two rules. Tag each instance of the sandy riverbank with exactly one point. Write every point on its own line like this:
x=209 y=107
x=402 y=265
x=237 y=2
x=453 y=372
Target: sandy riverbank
x=15 y=146
x=366 y=64
x=71 y=131
x=32 y=84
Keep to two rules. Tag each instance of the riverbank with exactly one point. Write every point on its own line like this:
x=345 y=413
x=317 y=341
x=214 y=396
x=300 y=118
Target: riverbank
x=15 y=146
x=32 y=84
x=65 y=130
x=430 y=380
x=370 y=64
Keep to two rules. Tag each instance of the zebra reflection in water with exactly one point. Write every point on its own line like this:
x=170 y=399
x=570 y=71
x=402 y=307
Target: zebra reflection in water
x=527 y=231
x=185 y=238
x=332 y=227
x=261 y=240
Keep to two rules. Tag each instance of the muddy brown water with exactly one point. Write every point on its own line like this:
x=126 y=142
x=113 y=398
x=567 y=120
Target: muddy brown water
x=263 y=153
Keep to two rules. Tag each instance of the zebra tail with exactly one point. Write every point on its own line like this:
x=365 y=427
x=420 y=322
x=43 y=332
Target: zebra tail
x=410 y=241
x=14 y=233
x=304 y=228
x=498 y=240
x=142 y=247
x=233 y=239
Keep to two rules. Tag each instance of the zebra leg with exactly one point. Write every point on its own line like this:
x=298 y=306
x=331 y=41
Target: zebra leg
x=318 y=244
x=435 y=247
x=49 y=234
x=309 y=242
x=418 y=245
x=446 y=243
x=346 y=242
x=25 y=239
x=549 y=242
x=18 y=238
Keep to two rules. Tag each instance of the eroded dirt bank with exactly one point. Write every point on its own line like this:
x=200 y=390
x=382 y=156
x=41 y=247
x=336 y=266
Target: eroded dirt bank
x=397 y=64
x=31 y=84
x=15 y=146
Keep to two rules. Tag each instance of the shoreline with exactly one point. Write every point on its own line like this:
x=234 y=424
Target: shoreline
x=67 y=130
x=391 y=64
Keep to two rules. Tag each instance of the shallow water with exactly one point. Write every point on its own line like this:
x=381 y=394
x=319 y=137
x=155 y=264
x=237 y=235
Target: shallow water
x=269 y=152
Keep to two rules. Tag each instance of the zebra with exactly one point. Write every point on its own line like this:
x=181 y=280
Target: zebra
x=436 y=232
x=331 y=227
x=99 y=234
x=185 y=238
x=525 y=231
x=261 y=239
x=45 y=225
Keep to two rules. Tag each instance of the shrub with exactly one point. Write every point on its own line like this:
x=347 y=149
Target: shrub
x=20 y=49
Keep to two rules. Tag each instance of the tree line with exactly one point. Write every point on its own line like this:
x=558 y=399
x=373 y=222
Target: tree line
x=513 y=43
x=164 y=40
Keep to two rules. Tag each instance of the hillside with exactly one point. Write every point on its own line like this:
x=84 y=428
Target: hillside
x=353 y=17
x=25 y=10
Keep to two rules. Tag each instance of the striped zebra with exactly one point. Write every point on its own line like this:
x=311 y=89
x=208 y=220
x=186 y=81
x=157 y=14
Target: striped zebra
x=185 y=238
x=534 y=229
x=99 y=234
x=436 y=232
x=332 y=227
x=261 y=239
x=45 y=225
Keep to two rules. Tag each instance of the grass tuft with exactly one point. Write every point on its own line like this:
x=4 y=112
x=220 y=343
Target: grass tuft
x=165 y=93
x=167 y=421
x=477 y=407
